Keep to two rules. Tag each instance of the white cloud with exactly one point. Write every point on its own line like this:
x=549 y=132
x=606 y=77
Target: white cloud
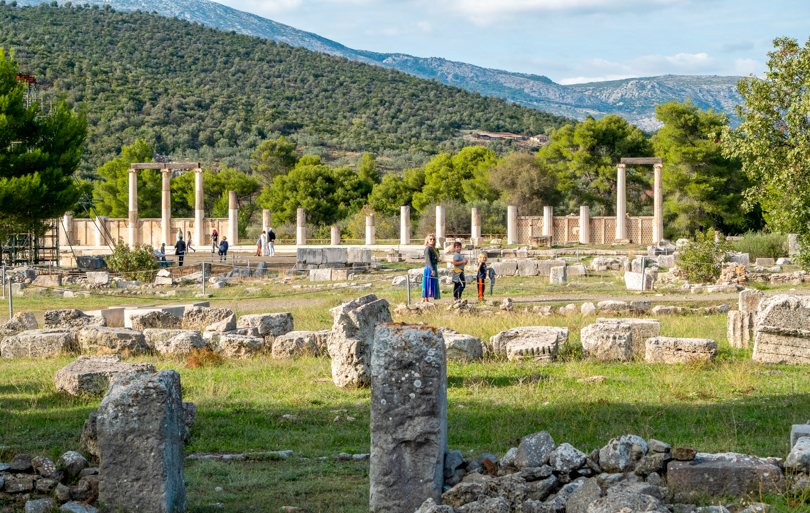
x=598 y=70
x=425 y=26
x=747 y=67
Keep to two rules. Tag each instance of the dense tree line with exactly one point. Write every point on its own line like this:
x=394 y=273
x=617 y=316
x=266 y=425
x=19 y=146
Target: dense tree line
x=196 y=92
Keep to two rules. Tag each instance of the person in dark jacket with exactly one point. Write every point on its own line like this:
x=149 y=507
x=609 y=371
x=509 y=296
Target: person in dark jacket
x=180 y=250
x=214 y=240
x=481 y=275
x=223 y=249
x=430 y=280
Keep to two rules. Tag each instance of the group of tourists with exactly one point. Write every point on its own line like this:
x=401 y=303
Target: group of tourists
x=430 y=280
x=266 y=245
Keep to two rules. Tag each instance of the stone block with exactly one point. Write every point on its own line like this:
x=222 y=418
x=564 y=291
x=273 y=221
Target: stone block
x=232 y=345
x=408 y=417
x=352 y=336
x=633 y=281
x=45 y=343
x=358 y=256
x=577 y=270
x=48 y=280
x=680 y=350
x=528 y=336
x=784 y=261
x=793 y=244
x=103 y=340
x=558 y=275
x=740 y=329
x=297 y=343
x=505 y=268
x=666 y=261
x=608 y=341
x=798 y=461
x=621 y=454
x=71 y=319
x=157 y=319
x=200 y=317
x=612 y=306
x=98 y=278
x=742 y=259
x=173 y=342
x=750 y=300
x=640 y=331
x=92 y=374
x=765 y=262
x=544 y=267
x=717 y=475
x=798 y=431
x=163 y=280
x=320 y=275
x=783 y=330
x=270 y=325
x=460 y=347
x=22 y=321
x=141 y=426
x=527 y=268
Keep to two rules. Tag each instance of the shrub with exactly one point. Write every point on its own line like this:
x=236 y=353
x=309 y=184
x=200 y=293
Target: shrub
x=802 y=259
x=702 y=259
x=204 y=357
x=138 y=262
x=762 y=245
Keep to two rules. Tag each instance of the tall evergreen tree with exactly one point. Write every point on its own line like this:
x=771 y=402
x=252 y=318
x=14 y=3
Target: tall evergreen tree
x=38 y=157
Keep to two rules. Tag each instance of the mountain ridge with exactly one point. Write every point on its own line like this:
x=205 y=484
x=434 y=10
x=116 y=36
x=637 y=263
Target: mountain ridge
x=633 y=98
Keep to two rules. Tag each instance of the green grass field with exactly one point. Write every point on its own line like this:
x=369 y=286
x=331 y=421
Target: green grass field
x=730 y=404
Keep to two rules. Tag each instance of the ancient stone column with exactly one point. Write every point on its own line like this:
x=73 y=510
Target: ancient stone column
x=511 y=225
x=408 y=417
x=301 y=228
x=140 y=426
x=100 y=233
x=440 y=224
x=65 y=229
x=267 y=220
x=793 y=244
x=198 y=207
x=233 y=220
x=475 y=227
x=548 y=222
x=584 y=224
x=404 y=226
x=658 y=203
x=370 y=231
x=133 y=208
x=621 y=202
x=335 y=236
x=166 y=209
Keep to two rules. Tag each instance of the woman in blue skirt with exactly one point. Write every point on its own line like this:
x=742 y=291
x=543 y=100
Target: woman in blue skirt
x=430 y=280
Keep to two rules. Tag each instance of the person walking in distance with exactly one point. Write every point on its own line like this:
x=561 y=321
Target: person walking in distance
x=271 y=242
x=180 y=250
x=214 y=241
x=263 y=240
x=189 y=247
x=223 y=249
x=430 y=280
x=481 y=275
x=259 y=245
x=459 y=281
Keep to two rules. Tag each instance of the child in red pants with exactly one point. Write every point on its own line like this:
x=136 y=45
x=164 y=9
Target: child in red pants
x=481 y=275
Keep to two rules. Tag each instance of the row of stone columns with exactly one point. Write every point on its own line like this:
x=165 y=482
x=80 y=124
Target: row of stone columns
x=658 y=202
x=199 y=237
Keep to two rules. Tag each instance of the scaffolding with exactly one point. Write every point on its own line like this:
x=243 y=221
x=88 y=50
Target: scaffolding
x=30 y=249
x=31 y=94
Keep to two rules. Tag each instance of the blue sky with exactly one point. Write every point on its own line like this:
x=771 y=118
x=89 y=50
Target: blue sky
x=567 y=40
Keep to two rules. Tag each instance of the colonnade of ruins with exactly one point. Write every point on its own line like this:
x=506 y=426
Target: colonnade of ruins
x=201 y=235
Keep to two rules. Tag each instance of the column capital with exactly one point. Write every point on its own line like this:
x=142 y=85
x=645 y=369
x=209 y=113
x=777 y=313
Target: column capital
x=621 y=166
x=132 y=171
x=198 y=170
x=658 y=166
x=166 y=171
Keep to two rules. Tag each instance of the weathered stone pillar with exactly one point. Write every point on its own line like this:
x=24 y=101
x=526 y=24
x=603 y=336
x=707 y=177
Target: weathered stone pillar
x=301 y=228
x=140 y=426
x=101 y=231
x=548 y=222
x=621 y=202
x=658 y=203
x=584 y=224
x=133 y=208
x=233 y=219
x=335 y=236
x=166 y=208
x=267 y=220
x=404 y=226
x=440 y=224
x=408 y=417
x=511 y=225
x=198 y=207
x=371 y=235
x=475 y=227
x=65 y=229
x=793 y=244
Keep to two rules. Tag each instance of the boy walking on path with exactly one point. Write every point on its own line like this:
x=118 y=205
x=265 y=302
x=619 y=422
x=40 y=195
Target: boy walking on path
x=459 y=282
x=223 y=249
x=481 y=275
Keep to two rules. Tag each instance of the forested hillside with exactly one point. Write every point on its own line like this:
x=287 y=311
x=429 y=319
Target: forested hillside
x=196 y=92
